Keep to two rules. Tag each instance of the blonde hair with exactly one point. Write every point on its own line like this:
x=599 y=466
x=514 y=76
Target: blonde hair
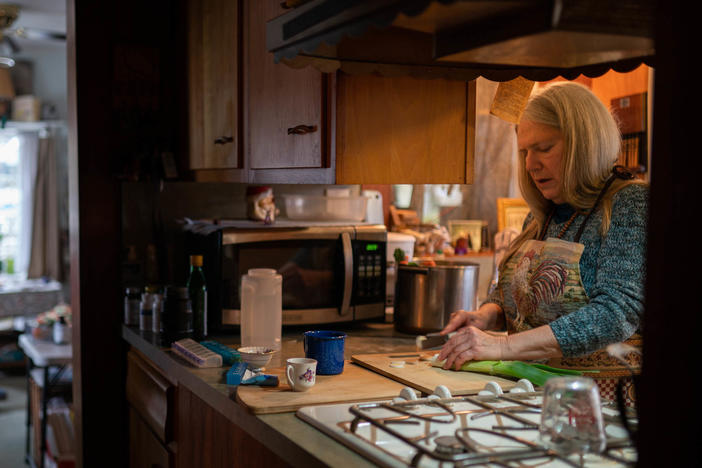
x=591 y=145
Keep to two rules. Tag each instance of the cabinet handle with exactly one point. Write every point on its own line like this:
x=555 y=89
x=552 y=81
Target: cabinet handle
x=302 y=129
x=223 y=140
x=287 y=4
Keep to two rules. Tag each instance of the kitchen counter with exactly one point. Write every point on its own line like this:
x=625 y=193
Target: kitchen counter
x=284 y=434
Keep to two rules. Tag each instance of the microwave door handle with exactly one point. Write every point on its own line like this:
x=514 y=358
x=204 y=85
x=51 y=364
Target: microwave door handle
x=348 y=273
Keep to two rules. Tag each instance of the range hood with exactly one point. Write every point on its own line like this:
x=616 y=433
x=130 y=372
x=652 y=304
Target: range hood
x=463 y=39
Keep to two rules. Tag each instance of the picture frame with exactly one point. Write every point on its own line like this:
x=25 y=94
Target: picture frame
x=467 y=227
x=511 y=213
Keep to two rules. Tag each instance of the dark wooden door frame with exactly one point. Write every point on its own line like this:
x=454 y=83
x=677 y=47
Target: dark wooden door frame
x=94 y=197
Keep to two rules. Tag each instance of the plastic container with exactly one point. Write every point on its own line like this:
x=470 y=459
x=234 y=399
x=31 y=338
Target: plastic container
x=323 y=208
x=398 y=240
x=261 y=308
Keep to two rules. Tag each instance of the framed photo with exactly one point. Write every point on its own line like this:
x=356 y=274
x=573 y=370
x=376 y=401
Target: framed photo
x=464 y=228
x=511 y=213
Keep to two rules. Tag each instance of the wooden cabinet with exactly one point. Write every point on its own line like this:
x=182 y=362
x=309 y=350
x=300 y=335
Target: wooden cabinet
x=145 y=450
x=206 y=438
x=252 y=120
x=286 y=109
x=404 y=130
x=151 y=398
x=170 y=426
x=214 y=84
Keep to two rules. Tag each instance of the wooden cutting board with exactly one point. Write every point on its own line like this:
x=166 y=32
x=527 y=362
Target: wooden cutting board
x=418 y=373
x=354 y=384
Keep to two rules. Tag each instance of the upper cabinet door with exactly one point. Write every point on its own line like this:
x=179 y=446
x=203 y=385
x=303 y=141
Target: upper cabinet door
x=286 y=117
x=404 y=130
x=214 y=46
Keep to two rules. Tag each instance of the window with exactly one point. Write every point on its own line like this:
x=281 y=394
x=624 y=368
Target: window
x=10 y=203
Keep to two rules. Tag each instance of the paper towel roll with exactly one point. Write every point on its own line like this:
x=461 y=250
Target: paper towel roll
x=374 y=207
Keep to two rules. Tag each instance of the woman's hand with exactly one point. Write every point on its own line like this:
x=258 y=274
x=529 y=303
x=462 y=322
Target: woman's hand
x=472 y=344
x=487 y=317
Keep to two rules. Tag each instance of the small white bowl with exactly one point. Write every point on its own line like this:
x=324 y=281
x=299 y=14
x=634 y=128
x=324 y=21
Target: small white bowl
x=256 y=356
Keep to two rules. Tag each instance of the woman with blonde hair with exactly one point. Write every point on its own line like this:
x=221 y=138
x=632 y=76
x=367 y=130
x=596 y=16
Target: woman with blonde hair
x=572 y=282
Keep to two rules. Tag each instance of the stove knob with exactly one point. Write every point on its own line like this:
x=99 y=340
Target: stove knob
x=491 y=388
x=523 y=385
x=408 y=393
x=442 y=391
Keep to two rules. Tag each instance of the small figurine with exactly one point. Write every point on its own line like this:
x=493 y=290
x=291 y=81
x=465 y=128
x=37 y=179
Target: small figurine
x=260 y=204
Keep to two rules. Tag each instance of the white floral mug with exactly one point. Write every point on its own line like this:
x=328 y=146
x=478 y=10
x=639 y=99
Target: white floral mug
x=301 y=373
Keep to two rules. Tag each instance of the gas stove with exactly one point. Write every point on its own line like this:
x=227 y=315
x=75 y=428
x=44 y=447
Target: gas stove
x=490 y=429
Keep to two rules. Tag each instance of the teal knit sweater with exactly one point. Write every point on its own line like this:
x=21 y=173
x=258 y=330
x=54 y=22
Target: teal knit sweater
x=612 y=269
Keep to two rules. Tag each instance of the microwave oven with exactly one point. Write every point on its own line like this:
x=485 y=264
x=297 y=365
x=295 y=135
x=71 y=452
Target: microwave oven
x=331 y=273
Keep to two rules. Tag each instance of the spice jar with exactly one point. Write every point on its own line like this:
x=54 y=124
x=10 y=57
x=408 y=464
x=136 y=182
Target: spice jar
x=145 y=311
x=177 y=314
x=156 y=310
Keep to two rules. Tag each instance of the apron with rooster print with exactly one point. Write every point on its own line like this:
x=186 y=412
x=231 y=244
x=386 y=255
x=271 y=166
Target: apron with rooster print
x=543 y=279
x=543 y=283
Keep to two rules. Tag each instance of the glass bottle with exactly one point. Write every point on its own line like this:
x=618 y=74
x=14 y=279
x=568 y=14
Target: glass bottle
x=197 y=289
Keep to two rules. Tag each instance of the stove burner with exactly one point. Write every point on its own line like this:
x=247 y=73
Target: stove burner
x=449 y=445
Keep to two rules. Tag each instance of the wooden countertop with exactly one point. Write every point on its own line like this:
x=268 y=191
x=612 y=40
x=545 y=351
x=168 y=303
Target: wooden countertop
x=283 y=433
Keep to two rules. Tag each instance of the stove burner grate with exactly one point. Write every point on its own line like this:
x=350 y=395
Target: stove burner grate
x=456 y=415
x=449 y=445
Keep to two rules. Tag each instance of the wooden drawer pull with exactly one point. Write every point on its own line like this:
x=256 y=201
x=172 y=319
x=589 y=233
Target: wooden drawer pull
x=287 y=4
x=223 y=140
x=302 y=129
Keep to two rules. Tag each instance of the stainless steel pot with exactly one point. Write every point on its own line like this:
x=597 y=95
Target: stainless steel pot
x=425 y=297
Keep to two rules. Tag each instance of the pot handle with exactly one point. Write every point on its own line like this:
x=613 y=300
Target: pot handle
x=348 y=273
x=414 y=269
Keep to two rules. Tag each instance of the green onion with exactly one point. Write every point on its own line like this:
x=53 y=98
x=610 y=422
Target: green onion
x=537 y=374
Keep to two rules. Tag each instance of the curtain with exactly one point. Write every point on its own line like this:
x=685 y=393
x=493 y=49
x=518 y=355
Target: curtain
x=45 y=259
x=28 y=149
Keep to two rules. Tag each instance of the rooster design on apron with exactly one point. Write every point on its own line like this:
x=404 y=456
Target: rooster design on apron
x=544 y=284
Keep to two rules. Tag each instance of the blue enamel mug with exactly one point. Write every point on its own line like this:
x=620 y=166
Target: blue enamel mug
x=327 y=348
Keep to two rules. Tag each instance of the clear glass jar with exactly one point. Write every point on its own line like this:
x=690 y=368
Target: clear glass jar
x=132 y=298
x=156 y=310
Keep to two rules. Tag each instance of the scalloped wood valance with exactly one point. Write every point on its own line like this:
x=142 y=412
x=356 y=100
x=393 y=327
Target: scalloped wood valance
x=463 y=39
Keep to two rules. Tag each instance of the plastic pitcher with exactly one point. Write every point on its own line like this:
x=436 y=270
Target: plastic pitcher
x=261 y=308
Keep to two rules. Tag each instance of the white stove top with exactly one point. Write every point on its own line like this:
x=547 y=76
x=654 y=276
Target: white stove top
x=499 y=431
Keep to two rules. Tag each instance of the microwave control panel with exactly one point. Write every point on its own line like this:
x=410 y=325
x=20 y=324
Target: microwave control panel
x=369 y=271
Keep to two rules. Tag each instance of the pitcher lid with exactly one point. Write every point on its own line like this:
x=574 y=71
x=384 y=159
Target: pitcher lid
x=262 y=272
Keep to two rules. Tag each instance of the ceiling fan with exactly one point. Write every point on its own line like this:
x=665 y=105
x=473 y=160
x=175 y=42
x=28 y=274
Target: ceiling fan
x=8 y=45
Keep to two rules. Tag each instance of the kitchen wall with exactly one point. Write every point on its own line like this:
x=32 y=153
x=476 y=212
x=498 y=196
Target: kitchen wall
x=48 y=77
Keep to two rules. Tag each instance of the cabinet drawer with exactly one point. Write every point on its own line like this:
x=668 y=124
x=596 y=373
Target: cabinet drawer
x=151 y=395
x=145 y=450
